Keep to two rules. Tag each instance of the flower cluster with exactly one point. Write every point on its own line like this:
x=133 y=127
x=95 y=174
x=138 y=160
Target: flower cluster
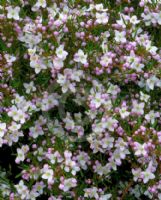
x=79 y=99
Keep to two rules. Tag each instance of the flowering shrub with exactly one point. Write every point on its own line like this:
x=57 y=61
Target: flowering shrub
x=79 y=99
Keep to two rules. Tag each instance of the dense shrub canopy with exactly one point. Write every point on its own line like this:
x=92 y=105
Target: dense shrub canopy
x=80 y=99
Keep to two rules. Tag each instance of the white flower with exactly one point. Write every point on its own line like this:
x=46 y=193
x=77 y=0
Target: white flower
x=112 y=164
x=68 y=184
x=9 y=58
x=62 y=80
x=71 y=165
x=151 y=49
x=98 y=128
x=20 y=156
x=99 y=169
x=58 y=63
x=37 y=64
x=105 y=197
x=144 y=97
x=15 y=136
x=148 y=194
x=147 y=175
x=66 y=84
x=25 y=148
x=141 y=83
x=30 y=39
x=80 y=57
x=33 y=194
x=17 y=114
x=121 y=144
x=123 y=112
x=49 y=102
x=107 y=104
x=99 y=7
x=105 y=60
x=69 y=123
x=134 y=20
x=117 y=157
x=91 y=192
x=48 y=174
x=14 y=126
x=83 y=158
x=136 y=173
x=110 y=123
x=97 y=100
x=61 y=53
x=32 y=51
x=104 y=47
x=39 y=186
x=123 y=20
x=18 y=99
x=13 y=13
x=147 y=18
x=150 y=117
x=2 y=129
x=137 y=66
x=159 y=195
x=107 y=142
x=151 y=82
x=41 y=3
x=36 y=131
x=102 y=18
x=53 y=10
x=158 y=83
x=140 y=149
x=120 y=36
x=113 y=89
x=22 y=189
x=158 y=17
x=29 y=87
x=138 y=108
